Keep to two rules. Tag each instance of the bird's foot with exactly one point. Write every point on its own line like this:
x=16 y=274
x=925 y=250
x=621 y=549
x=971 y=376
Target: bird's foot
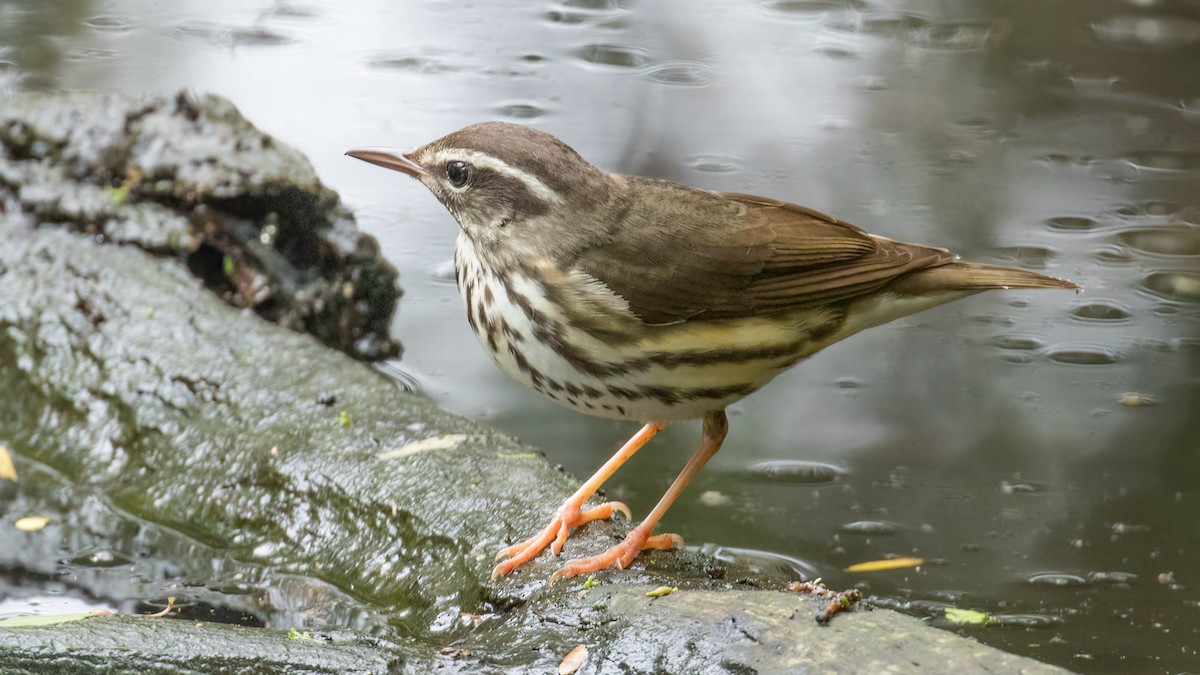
x=566 y=518
x=621 y=555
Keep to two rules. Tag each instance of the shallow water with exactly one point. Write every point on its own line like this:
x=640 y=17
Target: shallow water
x=1038 y=449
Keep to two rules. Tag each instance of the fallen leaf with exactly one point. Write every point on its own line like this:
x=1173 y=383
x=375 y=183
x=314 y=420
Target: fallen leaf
x=436 y=443
x=294 y=634
x=966 y=616
x=661 y=591
x=881 y=565
x=47 y=619
x=7 y=470
x=32 y=523
x=573 y=661
x=517 y=455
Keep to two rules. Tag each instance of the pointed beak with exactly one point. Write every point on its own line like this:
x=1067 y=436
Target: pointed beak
x=388 y=159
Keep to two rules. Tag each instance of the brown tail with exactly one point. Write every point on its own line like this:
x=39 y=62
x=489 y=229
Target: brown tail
x=972 y=277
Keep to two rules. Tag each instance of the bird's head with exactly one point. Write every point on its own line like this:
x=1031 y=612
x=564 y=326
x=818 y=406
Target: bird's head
x=513 y=190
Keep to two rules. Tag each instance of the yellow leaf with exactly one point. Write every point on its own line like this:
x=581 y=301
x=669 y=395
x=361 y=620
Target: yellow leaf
x=573 y=661
x=661 y=591
x=964 y=616
x=32 y=523
x=881 y=565
x=444 y=442
x=43 y=620
x=7 y=470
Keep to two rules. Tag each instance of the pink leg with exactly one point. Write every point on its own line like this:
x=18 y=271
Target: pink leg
x=639 y=538
x=569 y=515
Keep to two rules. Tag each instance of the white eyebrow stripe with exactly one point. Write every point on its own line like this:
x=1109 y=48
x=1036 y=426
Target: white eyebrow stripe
x=530 y=181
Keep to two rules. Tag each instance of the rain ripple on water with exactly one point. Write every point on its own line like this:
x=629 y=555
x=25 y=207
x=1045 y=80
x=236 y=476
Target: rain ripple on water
x=1181 y=286
x=1101 y=311
x=1148 y=31
x=1071 y=223
x=1082 y=355
x=1163 y=240
x=221 y=34
x=797 y=471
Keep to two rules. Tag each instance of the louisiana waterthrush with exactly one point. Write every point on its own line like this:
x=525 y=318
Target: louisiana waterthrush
x=643 y=299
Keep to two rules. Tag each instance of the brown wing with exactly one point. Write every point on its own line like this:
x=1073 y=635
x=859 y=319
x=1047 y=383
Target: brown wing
x=724 y=256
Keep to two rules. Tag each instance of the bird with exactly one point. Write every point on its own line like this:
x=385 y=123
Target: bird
x=642 y=299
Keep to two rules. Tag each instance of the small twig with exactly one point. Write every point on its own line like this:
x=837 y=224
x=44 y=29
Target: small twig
x=838 y=602
x=161 y=613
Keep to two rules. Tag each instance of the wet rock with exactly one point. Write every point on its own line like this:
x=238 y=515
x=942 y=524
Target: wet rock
x=188 y=177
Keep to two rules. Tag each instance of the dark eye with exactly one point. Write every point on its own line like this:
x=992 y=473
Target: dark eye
x=457 y=173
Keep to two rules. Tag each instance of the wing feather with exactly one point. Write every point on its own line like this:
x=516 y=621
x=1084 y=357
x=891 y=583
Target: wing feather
x=685 y=254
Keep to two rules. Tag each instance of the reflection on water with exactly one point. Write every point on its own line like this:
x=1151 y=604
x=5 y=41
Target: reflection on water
x=1009 y=440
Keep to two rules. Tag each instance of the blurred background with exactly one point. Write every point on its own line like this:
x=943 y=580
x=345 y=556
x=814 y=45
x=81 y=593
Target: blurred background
x=1039 y=450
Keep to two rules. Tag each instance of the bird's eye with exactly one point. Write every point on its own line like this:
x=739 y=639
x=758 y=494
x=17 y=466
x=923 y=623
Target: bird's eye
x=457 y=173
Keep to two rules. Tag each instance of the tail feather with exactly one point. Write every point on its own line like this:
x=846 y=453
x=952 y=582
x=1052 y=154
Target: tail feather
x=972 y=277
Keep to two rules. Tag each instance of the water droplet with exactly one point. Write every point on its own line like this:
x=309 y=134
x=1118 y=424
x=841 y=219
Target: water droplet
x=520 y=110
x=873 y=83
x=1114 y=255
x=223 y=34
x=1056 y=579
x=715 y=163
x=1148 y=31
x=101 y=559
x=797 y=471
x=1135 y=399
x=883 y=23
x=765 y=561
x=1183 y=240
x=109 y=23
x=442 y=271
x=714 y=498
x=1112 y=577
x=619 y=56
x=1074 y=223
x=836 y=51
x=1013 y=488
x=678 y=73
x=89 y=55
x=1018 y=342
x=1078 y=161
x=1101 y=310
x=961 y=36
x=1152 y=209
x=1082 y=355
x=567 y=17
x=290 y=11
x=1024 y=620
x=1181 y=286
x=869 y=527
x=1165 y=161
x=424 y=63
x=1027 y=256
x=810 y=6
x=1186 y=345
